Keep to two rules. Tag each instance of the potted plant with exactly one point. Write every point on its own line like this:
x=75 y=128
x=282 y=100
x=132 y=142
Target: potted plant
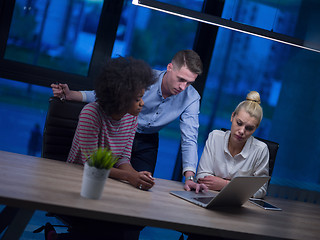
x=96 y=171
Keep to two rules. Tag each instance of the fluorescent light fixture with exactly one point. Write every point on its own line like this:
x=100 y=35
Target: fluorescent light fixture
x=229 y=24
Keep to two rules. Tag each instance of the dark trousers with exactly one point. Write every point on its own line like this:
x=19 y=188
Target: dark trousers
x=6 y=217
x=84 y=229
x=144 y=152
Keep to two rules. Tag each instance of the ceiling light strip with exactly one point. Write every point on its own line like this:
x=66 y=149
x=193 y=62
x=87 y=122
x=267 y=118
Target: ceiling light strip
x=220 y=22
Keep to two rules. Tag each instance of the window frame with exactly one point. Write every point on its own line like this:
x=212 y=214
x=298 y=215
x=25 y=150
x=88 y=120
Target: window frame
x=105 y=37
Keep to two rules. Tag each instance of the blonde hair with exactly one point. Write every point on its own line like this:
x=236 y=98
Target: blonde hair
x=252 y=106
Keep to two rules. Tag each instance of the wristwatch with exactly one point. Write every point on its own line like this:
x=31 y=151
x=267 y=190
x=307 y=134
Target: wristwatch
x=192 y=178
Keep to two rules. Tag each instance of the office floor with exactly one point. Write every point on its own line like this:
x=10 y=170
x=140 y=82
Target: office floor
x=39 y=218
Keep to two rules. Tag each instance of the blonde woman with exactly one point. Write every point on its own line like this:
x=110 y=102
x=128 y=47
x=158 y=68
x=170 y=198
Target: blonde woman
x=236 y=152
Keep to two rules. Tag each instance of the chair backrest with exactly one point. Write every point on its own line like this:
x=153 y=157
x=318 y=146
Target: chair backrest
x=60 y=126
x=273 y=149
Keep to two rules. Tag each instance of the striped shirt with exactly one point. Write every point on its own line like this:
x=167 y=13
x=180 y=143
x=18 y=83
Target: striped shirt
x=96 y=129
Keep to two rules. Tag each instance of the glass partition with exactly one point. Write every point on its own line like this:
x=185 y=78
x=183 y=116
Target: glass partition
x=23 y=109
x=286 y=77
x=270 y=15
x=57 y=34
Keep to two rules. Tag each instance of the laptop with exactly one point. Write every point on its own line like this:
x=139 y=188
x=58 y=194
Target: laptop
x=236 y=193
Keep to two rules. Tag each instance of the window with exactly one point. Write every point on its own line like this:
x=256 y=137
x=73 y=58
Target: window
x=286 y=78
x=23 y=110
x=46 y=41
x=56 y=34
x=61 y=40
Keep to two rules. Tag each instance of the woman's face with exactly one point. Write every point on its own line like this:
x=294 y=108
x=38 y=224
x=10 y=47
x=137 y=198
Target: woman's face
x=242 y=127
x=137 y=104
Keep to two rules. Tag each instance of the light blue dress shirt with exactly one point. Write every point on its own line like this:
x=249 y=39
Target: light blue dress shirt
x=158 y=112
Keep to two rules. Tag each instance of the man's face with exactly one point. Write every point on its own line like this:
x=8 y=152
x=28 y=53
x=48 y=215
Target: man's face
x=177 y=80
x=137 y=104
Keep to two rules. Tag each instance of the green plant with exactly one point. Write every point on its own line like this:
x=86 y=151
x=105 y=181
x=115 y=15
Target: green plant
x=102 y=158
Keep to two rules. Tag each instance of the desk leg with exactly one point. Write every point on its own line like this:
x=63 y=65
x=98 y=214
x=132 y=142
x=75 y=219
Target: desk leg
x=18 y=224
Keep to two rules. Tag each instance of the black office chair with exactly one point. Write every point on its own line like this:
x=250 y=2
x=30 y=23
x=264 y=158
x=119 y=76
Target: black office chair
x=60 y=126
x=273 y=149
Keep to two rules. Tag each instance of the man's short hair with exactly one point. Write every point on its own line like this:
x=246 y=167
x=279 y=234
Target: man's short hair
x=190 y=59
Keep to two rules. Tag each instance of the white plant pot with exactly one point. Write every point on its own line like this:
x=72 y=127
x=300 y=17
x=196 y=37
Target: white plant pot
x=93 y=181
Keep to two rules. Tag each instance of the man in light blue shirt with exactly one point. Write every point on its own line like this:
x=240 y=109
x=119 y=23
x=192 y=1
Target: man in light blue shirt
x=169 y=98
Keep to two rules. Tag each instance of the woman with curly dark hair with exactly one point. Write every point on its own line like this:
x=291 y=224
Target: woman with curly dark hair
x=121 y=81
x=111 y=120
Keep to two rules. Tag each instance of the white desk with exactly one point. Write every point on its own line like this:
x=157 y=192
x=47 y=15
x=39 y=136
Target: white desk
x=32 y=183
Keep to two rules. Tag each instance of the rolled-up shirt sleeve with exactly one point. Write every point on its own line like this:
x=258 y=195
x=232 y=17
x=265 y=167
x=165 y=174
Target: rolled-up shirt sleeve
x=88 y=96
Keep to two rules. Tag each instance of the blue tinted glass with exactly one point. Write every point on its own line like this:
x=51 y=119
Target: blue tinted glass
x=23 y=108
x=191 y=4
x=153 y=36
x=57 y=34
x=283 y=76
x=278 y=16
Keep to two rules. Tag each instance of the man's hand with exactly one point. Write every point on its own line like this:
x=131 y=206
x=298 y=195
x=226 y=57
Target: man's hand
x=213 y=182
x=191 y=185
x=61 y=90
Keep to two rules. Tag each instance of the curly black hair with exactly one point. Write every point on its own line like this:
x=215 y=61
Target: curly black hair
x=121 y=80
